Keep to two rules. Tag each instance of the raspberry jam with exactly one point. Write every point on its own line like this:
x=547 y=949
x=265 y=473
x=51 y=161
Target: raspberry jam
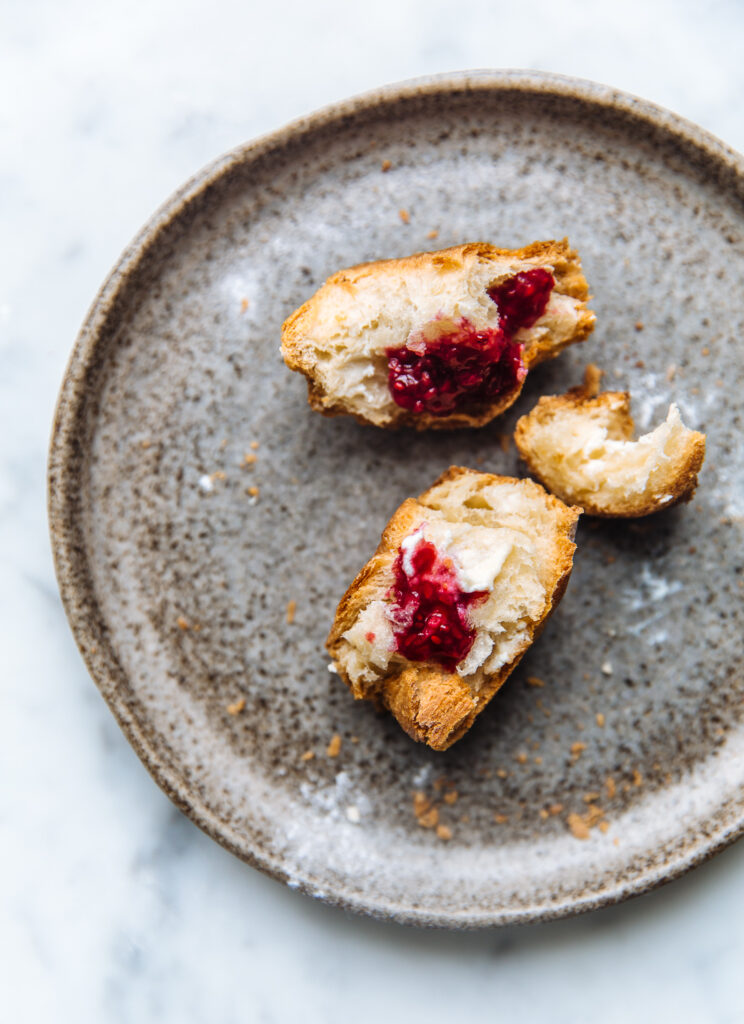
x=469 y=367
x=522 y=299
x=430 y=621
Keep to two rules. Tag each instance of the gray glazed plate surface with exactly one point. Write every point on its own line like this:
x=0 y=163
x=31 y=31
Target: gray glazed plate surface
x=176 y=576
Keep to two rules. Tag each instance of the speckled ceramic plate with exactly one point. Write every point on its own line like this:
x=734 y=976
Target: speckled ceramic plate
x=177 y=561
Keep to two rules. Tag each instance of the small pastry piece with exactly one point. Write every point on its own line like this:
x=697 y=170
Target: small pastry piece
x=461 y=583
x=579 y=445
x=439 y=339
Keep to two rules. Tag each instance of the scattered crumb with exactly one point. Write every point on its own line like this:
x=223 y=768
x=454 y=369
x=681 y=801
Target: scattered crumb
x=432 y=234
x=609 y=559
x=606 y=668
x=600 y=719
x=404 y=216
x=354 y=739
x=535 y=681
x=639 y=325
x=577 y=749
x=291 y=609
x=421 y=802
x=610 y=786
x=695 y=391
x=637 y=778
x=429 y=819
x=671 y=371
x=145 y=443
x=705 y=351
x=244 y=305
x=352 y=813
x=616 y=841
x=589 y=798
x=578 y=826
x=465 y=819
x=451 y=796
x=501 y=819
x=538 y=760
x=308 y=755
x=502 y=773
x=521 y=757
x=334 y=747
x=626 y=787
x=219 y=474
x=593 y=815
x=555 y=808
x=237 y=707
x=254 y=492
x=196 y=627
x=505 y=442
x=443 y=832
x=249 y=459
x=223 y=443
x=182 y=622
x=385 y=166
x=254 y=445
x=544 y=814
x=604 y=826
x=639 y=364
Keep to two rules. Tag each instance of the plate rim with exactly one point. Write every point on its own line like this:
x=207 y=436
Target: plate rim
x=69 y=552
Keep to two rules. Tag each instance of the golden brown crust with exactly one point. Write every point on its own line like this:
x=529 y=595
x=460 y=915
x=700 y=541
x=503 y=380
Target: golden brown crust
x=432 y=705
x=566 y=268
x=678 y=486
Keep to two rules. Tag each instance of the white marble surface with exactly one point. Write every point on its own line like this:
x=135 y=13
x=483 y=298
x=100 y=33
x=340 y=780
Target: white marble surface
x=113 y=907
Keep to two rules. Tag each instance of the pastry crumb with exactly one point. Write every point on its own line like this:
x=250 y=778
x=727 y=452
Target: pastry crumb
x=249 y=459
x=604 y=826
x=308 y=755
x=334 y=747
x=637 y=778
x=254 y=445
x=610 y=786
x=254 y=492
x=385 y=166
x=244 y=305
x=555 y=809
x=521 y=757
x=237 y=707
x=146 y=443
x=291 y=609
x=429 y=819
x=590 y=798
x=705 y=351
x=501 y=819
x=505 y=442
x=535 y=681
x=404 y=216
x=432 y=234
x=450 y=797
x=421 y=803
x=639 y=325
x=183 y=623
x=671 y=372
x=502 y=773
x=578 y=826
x=600 y=719
x=577 y=749
x=354 y=739
x=443 y=832
x=544 y=814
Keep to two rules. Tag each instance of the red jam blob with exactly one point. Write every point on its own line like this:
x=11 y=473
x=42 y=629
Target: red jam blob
x=430 y=621
x=522 y=299
x=465 y=367
x=469 y=367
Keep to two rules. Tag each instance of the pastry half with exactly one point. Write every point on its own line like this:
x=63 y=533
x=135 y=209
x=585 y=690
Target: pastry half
x=439 y=339
x=461 y=584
